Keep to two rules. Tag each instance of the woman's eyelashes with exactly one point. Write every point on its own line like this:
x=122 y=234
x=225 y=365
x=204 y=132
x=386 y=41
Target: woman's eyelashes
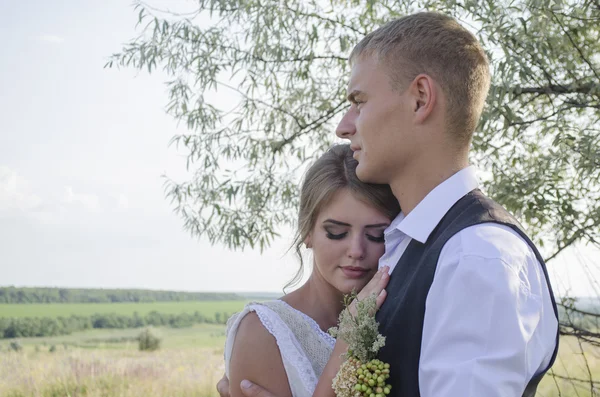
x=376 y=239
x=338 y=236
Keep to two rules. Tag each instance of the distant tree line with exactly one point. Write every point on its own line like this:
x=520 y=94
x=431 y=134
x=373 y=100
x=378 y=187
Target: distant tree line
x=71 y=295
x=27 y=327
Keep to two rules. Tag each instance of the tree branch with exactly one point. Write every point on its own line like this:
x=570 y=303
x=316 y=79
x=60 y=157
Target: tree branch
x=595 y=383
x=555 y=89
x=577 y=235
x=579 y=51
x=322 y=18
x=597 y=315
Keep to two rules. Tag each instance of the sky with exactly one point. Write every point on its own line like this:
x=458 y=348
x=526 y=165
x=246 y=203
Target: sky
x=83 y=152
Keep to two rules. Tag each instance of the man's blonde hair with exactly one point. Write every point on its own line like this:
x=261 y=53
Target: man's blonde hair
x=436 y=45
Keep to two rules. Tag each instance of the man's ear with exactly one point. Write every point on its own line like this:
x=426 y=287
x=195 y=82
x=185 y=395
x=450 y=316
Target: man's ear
x=424 y=95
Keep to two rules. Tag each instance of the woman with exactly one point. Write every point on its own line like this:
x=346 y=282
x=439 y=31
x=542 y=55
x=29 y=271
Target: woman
x=283 y=345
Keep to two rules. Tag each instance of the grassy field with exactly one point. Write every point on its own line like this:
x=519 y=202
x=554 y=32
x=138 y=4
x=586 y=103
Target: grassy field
x=106 y=363
x=207 y=308
x=201 y=336
x=571 y=362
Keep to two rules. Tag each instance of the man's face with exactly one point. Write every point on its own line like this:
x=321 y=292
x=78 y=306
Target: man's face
x=378 y=122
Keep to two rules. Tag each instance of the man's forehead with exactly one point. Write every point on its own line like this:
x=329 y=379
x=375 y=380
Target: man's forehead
x=357 y=74
x=362 y=70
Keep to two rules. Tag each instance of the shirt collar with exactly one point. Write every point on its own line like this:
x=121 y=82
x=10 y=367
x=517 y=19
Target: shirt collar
x=421 y=221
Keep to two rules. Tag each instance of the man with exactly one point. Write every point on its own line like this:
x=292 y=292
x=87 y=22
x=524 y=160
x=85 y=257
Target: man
x=470 y=311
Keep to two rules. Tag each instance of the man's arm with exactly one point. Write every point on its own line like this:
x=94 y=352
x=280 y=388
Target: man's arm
x=487 y=329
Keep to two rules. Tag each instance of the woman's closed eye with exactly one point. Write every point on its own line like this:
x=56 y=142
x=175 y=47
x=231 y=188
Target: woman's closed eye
x=334 y=236
x=377 y=239
x=339 y=236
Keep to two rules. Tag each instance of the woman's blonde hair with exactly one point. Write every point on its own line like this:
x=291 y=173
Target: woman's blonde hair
x=333 y=171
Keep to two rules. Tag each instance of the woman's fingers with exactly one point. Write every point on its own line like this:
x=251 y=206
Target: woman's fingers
x=381 y=298
x=377 y=283
x=375 y=287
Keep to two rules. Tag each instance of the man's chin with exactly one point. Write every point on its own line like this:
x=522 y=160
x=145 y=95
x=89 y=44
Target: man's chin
x=364 y=175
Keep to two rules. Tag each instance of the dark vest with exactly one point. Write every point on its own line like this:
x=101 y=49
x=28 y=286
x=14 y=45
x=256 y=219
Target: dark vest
x=401 y=316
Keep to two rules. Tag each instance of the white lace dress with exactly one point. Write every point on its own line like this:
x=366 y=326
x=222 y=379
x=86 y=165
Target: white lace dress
x=304 y=347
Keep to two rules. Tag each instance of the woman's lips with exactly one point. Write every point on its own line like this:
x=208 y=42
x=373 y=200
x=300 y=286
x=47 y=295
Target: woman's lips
x=355 y=272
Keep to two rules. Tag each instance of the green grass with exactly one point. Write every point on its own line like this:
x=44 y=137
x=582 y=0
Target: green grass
x=201 y=336
x=207 y=308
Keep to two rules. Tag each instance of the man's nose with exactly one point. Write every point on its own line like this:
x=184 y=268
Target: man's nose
x=347 y=127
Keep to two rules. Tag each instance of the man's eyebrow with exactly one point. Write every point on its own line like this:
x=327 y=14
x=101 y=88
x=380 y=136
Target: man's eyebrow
x=353 y=94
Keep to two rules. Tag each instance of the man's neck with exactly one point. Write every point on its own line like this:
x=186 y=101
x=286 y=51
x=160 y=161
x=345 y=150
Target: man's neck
x=412 y=185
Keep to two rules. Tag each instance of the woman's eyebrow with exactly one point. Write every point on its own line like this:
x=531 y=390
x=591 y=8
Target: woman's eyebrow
x=336 y=222
x=347 y=224
x=377 y=225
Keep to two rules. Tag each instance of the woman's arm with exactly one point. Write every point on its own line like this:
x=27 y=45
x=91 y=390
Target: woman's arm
x=257 y=358
x=275 y=384
x=324 y=388
x=377 y=287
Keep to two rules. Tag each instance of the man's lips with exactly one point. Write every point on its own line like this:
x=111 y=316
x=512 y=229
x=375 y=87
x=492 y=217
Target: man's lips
x=355 y=272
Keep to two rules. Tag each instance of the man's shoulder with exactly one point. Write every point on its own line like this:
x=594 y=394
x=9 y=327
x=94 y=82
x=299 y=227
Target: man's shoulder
x=489 y=240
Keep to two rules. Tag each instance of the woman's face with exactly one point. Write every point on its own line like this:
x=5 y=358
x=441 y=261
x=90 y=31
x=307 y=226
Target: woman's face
x=347 y=242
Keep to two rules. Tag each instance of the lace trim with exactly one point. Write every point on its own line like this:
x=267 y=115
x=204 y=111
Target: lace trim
x=328 y=338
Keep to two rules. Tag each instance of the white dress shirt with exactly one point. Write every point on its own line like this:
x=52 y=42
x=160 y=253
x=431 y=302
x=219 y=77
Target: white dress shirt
x=489 y=324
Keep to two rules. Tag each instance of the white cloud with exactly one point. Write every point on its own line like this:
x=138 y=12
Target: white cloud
x=50 y=38
x=15 y=192
x=122 y=202
x=88 y=201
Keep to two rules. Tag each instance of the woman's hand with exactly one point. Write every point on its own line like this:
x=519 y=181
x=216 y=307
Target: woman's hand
x=375 y=287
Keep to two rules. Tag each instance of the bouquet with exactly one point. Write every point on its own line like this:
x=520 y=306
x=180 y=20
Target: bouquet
x=361 y=374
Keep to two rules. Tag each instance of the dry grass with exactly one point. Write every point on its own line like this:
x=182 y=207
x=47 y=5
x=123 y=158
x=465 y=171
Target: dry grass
x=193 y=370
x=573 y=362
x=111 y=373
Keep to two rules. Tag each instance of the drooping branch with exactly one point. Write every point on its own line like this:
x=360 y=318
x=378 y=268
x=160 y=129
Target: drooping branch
x=558 y=89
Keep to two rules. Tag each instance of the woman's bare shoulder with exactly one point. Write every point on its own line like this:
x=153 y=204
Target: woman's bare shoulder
x=256 y=357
